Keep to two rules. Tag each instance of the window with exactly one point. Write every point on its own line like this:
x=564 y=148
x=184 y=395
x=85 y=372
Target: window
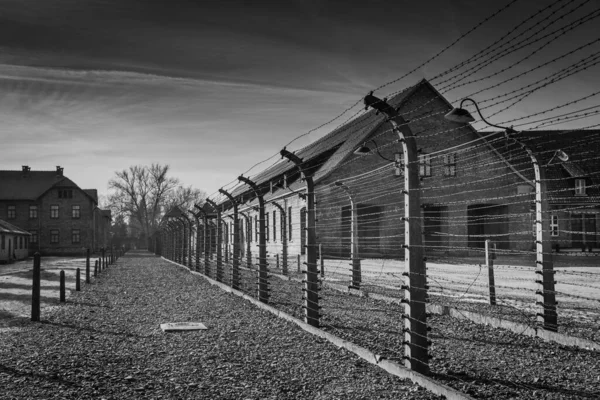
x=75 y=237
x=450 y=164
x=580 y=187
x=12 y=212
x=274 y=225
x=554 y=225
x=20 y=242
x=425 y=165
x=290 y=222
x=34 y=236
x=33 y=212
x=54 y=236
x=54 y=211
x=65 y=194
x=76 y=211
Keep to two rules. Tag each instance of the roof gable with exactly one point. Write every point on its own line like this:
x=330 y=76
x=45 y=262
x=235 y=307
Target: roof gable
x=5 y=227
x=20 y=185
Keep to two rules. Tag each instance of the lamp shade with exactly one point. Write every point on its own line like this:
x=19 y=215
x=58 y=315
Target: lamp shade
x=362 y=150
x=562 y=156
x=459 y=115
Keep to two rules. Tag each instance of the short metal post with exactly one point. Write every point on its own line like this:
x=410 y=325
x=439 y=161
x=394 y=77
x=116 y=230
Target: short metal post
x=96 y=268
x=299 y=269
x=77 y=278
x=35 y=288
x=490 y=255
x=62 y=286
x=87 y=267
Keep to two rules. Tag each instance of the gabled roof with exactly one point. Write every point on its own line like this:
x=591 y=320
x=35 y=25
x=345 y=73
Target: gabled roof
x=5 y=227
x=93 y=193
x=341 y=142
x=31 y=185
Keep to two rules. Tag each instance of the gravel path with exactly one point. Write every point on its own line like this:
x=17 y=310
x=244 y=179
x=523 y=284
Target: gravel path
x=105 y=342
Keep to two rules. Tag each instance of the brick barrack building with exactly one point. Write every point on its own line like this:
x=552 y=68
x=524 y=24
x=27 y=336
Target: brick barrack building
x=63 y=219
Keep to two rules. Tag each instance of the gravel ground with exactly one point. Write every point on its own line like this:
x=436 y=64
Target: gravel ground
x=484 y=362
x=105 y=342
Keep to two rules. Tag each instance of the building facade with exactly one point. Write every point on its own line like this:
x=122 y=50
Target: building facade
x=474 y=186
x=63 y=219
x=14 y=243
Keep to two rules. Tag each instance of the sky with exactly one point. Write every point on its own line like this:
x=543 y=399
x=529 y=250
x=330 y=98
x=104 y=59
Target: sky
x=213 y=88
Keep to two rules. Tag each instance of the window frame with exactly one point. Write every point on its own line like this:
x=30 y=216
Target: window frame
x=73 y=213
x=425 y=170
x=580 y=187
x=75 y=233
x=33 y=211
x=11 y=212
x=554 y=226
x=34 y=236
x=54 y=233
x=450 y=164
x=53 y=208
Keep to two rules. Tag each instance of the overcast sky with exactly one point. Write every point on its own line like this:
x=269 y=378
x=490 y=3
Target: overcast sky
x=211 y=88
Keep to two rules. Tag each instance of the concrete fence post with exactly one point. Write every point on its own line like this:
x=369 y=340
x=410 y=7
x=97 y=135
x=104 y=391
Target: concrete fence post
x=416 y=343
x=87 y=267
x=62 y=286
x=35 y=288
x=490 y=255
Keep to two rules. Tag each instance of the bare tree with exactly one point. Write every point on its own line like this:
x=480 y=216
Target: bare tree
x=184 y=198
x=142 y=194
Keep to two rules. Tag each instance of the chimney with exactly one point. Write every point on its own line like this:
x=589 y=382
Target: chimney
x=59 y=170
x=26 y=169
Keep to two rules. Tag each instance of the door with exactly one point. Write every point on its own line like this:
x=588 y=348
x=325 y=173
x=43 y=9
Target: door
x=432 y=227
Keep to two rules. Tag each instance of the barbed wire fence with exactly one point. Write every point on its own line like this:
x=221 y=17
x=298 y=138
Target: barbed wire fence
x=336 y=253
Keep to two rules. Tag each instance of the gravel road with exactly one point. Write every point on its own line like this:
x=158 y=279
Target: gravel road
x=105 y=342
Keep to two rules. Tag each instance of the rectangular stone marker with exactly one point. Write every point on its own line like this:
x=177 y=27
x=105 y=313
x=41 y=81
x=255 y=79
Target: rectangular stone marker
x=182 y=326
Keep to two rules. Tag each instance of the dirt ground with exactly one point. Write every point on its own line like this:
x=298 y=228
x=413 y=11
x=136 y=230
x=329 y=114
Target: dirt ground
x=16 y=282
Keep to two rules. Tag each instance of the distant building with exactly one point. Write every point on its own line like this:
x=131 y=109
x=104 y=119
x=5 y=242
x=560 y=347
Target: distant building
x=62 y=218
x=14 y=242
x=474 y=186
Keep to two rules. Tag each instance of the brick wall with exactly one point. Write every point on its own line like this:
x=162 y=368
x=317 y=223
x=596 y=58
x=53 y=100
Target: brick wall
x=481 y=178
x=65 y=223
